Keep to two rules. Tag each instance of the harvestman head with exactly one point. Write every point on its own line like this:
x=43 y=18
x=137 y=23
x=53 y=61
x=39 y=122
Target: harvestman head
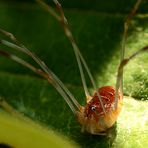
x=103 y=107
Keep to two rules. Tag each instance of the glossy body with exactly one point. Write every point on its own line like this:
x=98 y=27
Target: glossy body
x=93 y=119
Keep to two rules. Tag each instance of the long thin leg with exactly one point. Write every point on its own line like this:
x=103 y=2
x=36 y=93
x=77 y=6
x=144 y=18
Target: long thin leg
x=63 y=21
x=126 y=26
x=80 y=60
x=41 y=73
x=51 y=76
x=124 y=63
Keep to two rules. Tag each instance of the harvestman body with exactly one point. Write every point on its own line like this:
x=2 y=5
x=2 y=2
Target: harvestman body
x=103 y=107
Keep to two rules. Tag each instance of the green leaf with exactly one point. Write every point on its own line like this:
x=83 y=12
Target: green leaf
x=24 y=133
x=99 y=38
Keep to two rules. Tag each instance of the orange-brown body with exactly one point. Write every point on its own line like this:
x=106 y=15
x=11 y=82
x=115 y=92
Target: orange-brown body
x=92 y=117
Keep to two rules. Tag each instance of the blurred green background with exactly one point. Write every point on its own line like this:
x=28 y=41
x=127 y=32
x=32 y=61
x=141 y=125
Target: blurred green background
x=98 y=28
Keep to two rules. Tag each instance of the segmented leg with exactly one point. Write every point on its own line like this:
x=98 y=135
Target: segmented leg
x=119 y=81
x=125 y=62
x=45 y=72
x=80 y=60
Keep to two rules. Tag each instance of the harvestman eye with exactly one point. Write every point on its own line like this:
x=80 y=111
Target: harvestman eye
x=108 y=106
x=93 y=108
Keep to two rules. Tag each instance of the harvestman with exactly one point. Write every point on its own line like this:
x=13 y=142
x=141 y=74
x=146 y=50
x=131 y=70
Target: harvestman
x=103 y=107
